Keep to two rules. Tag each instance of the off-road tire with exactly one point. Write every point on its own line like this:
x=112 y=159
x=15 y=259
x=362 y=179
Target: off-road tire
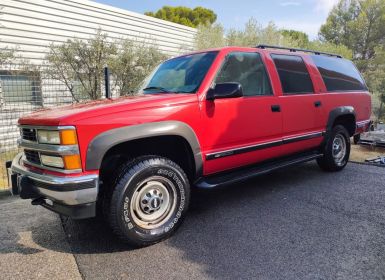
x=331 y=159
x=159 y=178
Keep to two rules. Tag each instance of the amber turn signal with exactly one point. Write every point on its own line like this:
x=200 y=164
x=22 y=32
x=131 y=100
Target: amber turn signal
x=68 y=137
x=72 y=162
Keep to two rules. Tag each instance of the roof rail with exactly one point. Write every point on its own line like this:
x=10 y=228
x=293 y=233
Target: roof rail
x=297 y=50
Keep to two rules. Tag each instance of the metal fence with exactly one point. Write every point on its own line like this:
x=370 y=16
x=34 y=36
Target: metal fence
x=23 y=91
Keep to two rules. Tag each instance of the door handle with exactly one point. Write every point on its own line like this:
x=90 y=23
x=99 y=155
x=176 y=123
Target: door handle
x=317 y=103
x=275 y=108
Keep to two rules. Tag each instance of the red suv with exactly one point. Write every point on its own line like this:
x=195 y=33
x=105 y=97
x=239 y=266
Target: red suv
x=203 y=120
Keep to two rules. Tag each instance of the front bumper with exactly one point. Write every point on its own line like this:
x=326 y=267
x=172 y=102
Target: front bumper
x=73 y=196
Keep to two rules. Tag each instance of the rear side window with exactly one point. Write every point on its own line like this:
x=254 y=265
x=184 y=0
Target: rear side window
x=292 y=71
x=339 y=74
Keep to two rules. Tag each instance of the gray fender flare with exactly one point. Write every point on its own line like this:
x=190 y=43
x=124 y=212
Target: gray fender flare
x=334 y=114
x=99 y=146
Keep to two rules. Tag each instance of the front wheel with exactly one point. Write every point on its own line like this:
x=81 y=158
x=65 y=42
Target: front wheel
x=336 y=151
x=149 y=200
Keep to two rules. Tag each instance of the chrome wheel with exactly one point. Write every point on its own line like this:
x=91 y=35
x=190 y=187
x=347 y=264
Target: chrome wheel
x=153 y=202
x=339 y=149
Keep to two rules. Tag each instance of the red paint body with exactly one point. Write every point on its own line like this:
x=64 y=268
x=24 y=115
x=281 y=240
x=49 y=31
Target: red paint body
x=221 y=124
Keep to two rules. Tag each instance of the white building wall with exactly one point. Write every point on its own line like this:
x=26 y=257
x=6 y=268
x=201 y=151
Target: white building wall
x=31 y=25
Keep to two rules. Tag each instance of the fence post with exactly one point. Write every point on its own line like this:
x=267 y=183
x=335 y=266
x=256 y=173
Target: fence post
x=107 y=82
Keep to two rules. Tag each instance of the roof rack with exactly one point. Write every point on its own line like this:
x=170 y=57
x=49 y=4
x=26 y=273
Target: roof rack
x=297 y=50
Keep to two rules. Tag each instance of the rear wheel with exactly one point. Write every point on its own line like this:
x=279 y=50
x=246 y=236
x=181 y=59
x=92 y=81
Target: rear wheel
x=336 y=151
x=149 y=200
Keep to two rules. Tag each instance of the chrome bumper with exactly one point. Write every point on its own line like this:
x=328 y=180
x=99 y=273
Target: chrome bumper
x=66 y=191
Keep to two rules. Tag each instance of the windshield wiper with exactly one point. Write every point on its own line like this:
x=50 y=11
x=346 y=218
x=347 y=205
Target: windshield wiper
x=157 y=88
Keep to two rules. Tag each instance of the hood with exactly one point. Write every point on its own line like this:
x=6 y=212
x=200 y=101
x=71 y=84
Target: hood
x=69 y=114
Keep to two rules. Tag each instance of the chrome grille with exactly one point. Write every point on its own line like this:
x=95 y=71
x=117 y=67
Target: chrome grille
x=29 y=134
x=32 y=156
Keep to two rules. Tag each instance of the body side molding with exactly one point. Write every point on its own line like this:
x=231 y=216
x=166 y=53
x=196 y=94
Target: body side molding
x=98 y=147
x=265 y=145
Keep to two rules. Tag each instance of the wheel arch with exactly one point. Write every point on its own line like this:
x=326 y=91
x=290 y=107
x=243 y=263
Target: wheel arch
x=104 y=142
x=344 y=115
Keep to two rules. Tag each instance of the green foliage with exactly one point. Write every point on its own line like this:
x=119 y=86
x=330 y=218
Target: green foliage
x=213 y=36
x=79 y=64
x=6 y=56
x=300 y=37
x=133 y=62
x=342 y=50
x=359 y=25
x=184 y=15
x=210 y=36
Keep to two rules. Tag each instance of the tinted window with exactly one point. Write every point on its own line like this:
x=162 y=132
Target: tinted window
x=293 y=74
x=248 y=70
x=339 y=74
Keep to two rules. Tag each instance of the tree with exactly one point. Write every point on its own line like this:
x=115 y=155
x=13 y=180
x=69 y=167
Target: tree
x=132 y=63
x=209 y=36
x=341 y=50
x=300 y=37
x=375 y=78
x=212 y=36
x=79 y=64
x=359 y=25
x=184 y=15
x=6 y=56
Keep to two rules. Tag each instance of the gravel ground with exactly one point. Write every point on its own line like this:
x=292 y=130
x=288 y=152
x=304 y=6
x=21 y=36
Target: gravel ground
x=297 y=223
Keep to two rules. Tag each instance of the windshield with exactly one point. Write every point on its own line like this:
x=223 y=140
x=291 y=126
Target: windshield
x=179 y=75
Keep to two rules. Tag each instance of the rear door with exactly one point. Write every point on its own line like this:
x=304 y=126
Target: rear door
x=301 y=103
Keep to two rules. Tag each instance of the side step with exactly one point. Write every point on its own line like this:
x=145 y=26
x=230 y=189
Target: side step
x=252 y=171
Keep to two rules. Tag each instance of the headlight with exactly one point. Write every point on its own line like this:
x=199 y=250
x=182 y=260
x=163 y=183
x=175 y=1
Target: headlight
x=57 y=137
x=48 y=137
x=53 y=161
x=69 y=162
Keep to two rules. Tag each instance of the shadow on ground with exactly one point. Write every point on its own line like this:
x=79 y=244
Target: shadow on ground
x=87 y=233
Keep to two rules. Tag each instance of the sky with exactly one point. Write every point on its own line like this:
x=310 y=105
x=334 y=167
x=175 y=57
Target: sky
x=303 y=15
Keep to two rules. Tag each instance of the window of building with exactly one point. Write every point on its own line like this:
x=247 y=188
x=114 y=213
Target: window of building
x=339 y=74
x=248 y=70
x=292 y=71
x=20 y=88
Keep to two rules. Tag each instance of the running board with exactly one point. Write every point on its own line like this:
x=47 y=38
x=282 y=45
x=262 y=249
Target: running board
x=253 y=171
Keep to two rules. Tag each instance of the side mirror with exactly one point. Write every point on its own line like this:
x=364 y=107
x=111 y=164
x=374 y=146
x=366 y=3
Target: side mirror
x=225 y=90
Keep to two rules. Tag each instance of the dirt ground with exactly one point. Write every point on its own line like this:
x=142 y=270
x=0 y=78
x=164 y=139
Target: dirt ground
x=360 y=153
x=3 y=172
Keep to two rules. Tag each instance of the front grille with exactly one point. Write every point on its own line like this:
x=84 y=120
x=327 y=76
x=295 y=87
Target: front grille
x=29 y=134
x=32 y=156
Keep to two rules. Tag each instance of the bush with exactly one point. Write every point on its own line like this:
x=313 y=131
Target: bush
x=79 y=64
